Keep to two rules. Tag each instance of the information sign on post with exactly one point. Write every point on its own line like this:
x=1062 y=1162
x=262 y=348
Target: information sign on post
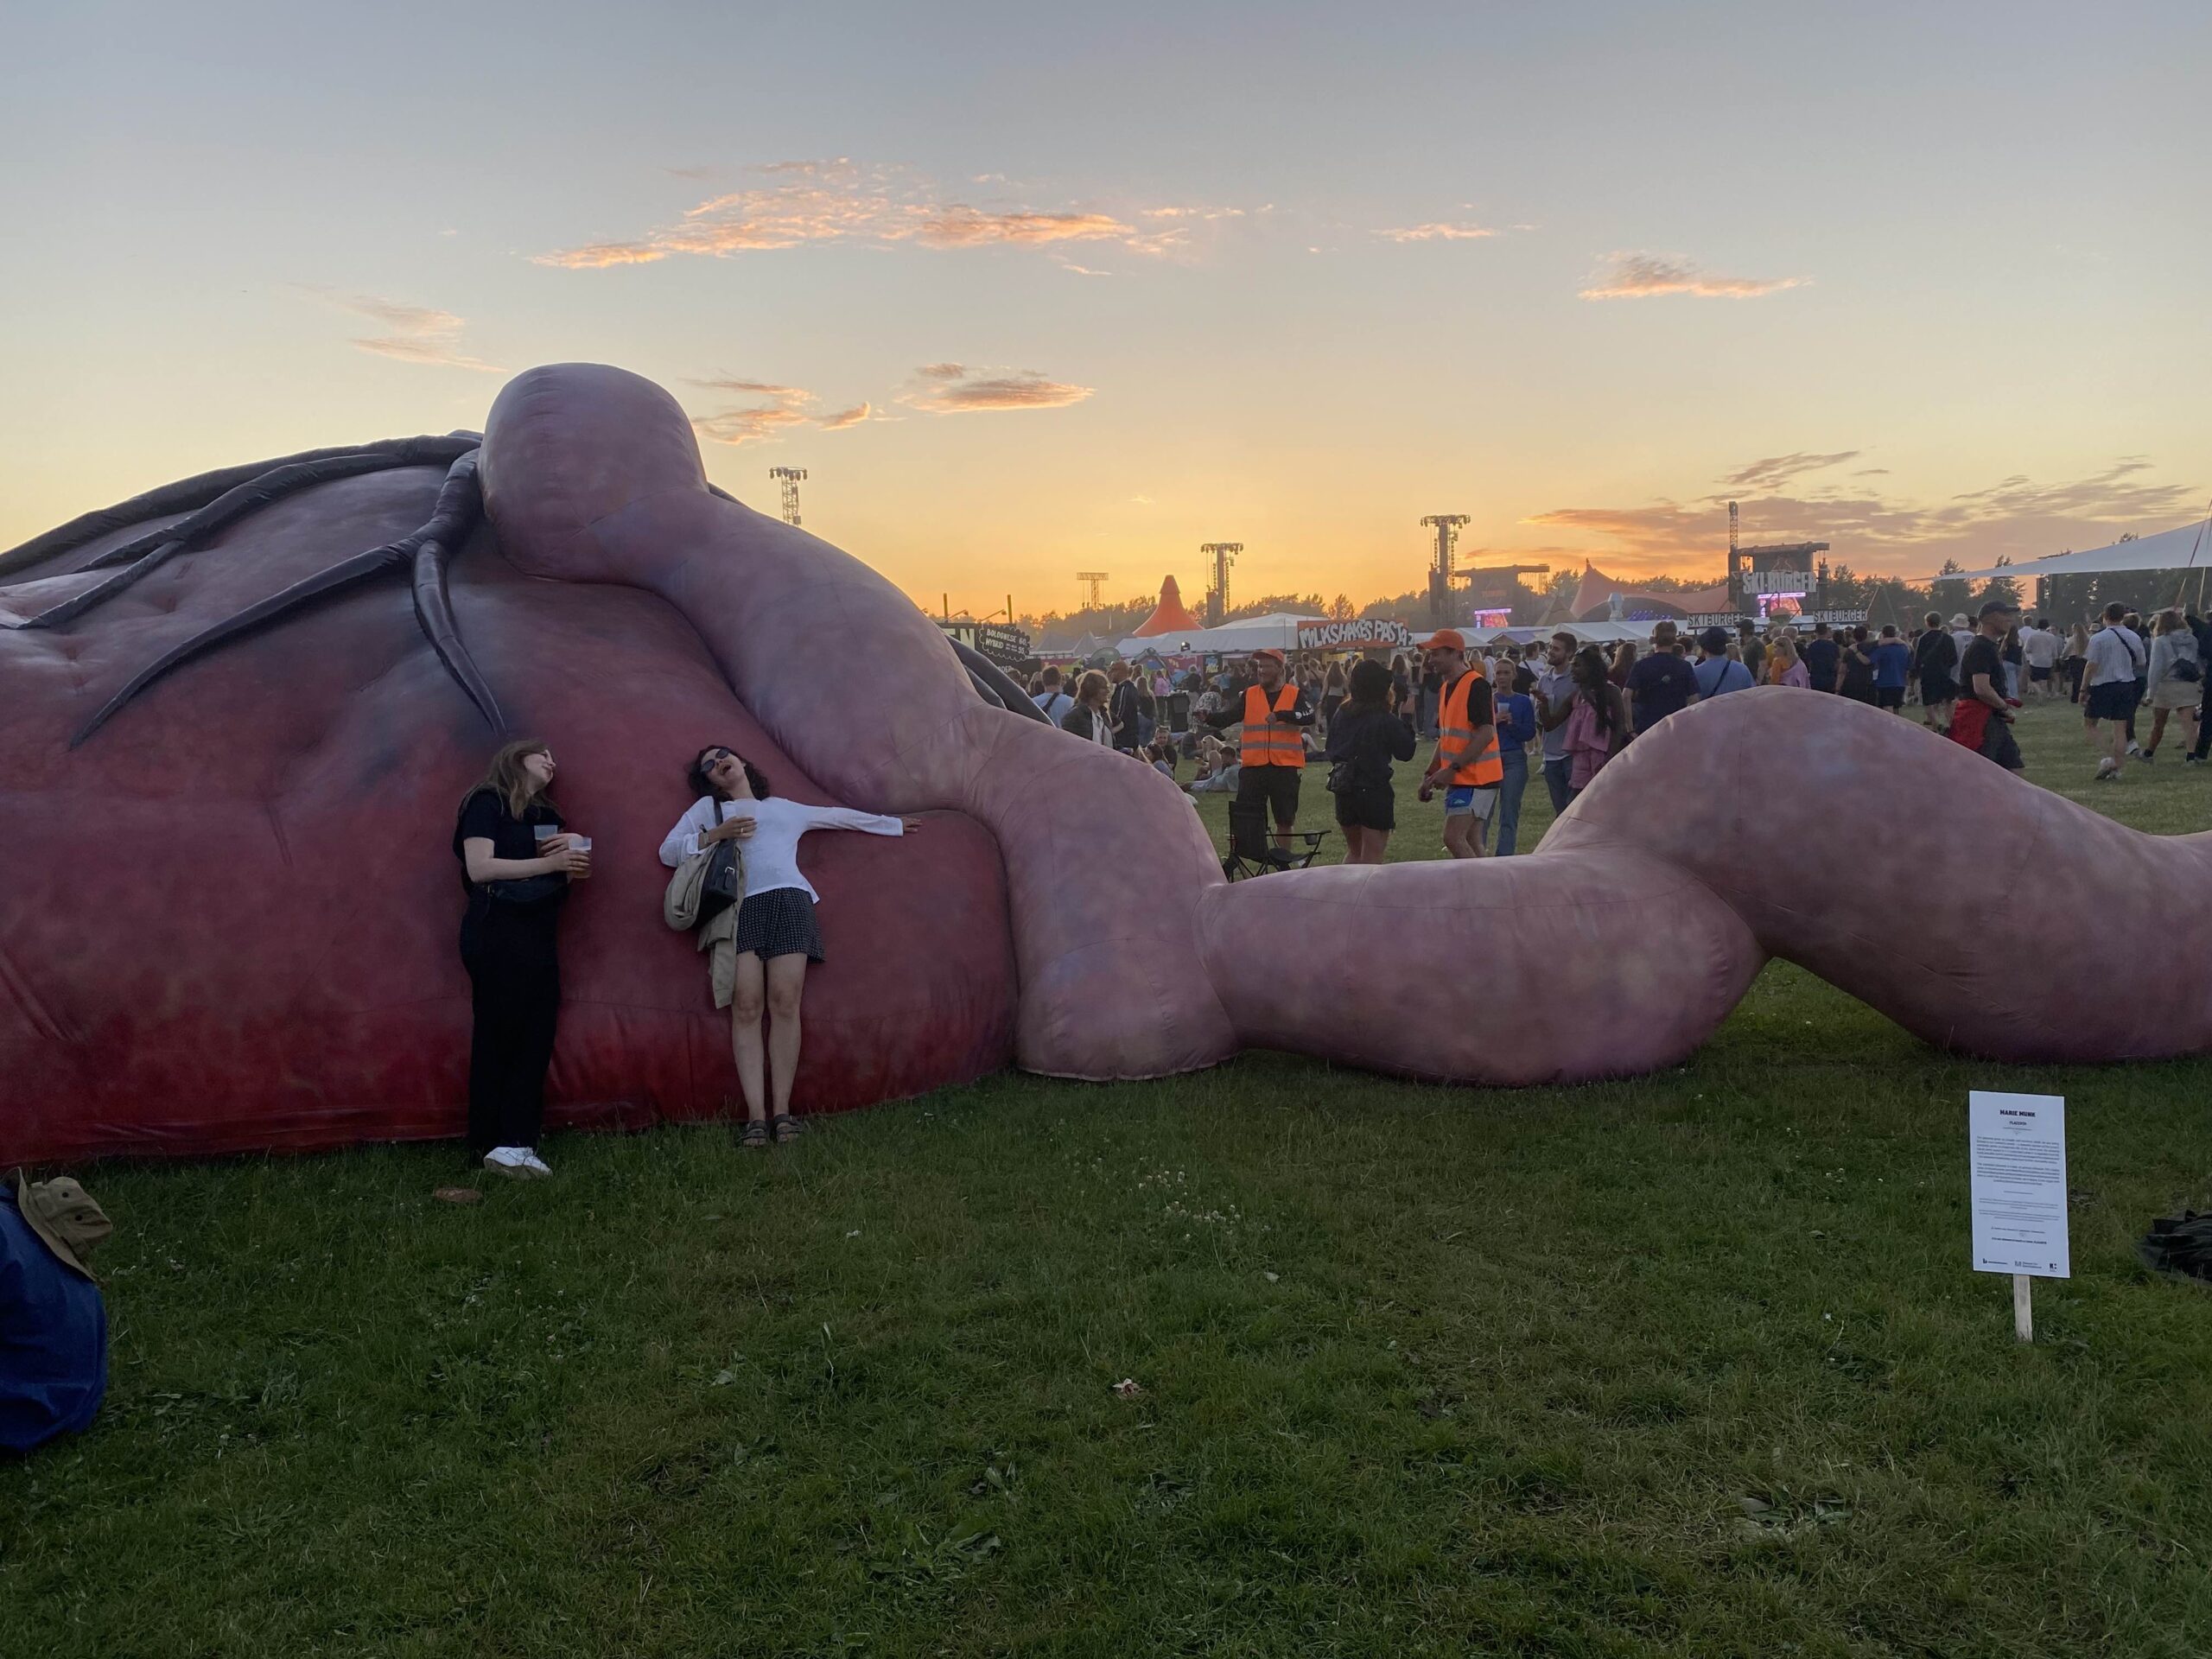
x=2016 y=1156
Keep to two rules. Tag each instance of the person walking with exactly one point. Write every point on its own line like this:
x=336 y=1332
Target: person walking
x=1856 y=671
x=2108 y=697
x=1751 y=650
x=1554 y=696
x=1515 y=712
x=1466 y=757
x=2075 y=660
x=1823 y=659
x=2136 y=631
x=2040 y=645
x=1785 y=667
x=1052 y=701
x=1717 y=671
x=776 y=934
x=2176 y=679
x=1935 y=661
x=1086 y=717
x=1365 y=737
x=1597 y=727
x=516 y=861
x=1892 y=667
x=1660 y=684
x=1122 y=713
x=1271 y=749
x=1983 y=720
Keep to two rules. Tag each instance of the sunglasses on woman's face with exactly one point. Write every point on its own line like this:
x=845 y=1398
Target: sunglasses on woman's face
x=716 y=757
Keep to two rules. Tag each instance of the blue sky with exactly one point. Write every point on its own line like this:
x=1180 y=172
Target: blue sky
x=1289 y=276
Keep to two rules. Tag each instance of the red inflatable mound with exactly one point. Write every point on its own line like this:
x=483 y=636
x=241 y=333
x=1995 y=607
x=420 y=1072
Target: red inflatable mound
x=230 y=917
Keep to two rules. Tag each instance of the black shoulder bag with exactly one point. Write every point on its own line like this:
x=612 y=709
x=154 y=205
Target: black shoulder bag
x=522 y=889
x=724 y=883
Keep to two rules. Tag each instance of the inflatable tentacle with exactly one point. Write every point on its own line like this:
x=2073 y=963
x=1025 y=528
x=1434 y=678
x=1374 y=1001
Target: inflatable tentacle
x=188 y=494
x=459 y=506
x=994 y=684
x=142 y=555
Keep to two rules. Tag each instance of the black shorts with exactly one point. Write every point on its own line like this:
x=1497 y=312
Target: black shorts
x=1889 y=696
x=2113 y=699
x=1373 y=807
x=1276 y=785
x=1938 y=688
x=778 y=923
x=2038 y=675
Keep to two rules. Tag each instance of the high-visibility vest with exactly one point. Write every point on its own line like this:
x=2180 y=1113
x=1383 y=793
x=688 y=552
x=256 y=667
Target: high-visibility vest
x=1455 y=733
x=1265 y=742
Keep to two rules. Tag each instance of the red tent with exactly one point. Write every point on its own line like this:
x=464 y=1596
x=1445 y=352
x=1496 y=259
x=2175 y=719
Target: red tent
x=1169 y=615
x=1597 y=588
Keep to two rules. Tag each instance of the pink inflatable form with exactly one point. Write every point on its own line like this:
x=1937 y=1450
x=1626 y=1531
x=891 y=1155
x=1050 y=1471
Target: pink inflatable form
x=229 y=913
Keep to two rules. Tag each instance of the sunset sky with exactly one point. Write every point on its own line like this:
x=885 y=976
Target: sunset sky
x=1030 y=290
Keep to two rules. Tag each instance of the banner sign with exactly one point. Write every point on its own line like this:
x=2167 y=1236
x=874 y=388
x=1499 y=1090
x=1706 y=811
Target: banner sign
x=2016 y=1163
x=1001 y=642
x=1363 y=633
x=1784 y=584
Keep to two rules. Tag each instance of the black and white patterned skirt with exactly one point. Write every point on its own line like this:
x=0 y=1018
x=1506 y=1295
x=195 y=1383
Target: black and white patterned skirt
x=778 y=923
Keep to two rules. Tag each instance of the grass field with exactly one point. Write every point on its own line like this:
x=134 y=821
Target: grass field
x=1693 y=1364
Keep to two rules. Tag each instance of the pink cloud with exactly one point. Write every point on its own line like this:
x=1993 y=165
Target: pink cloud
x=954 y=389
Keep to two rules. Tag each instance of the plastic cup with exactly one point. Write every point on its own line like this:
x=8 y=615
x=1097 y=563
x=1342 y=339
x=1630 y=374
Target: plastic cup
x=543 y=831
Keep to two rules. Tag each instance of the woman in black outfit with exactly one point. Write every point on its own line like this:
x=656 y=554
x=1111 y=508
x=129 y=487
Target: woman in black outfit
x=516 y=861
x=1364 y=739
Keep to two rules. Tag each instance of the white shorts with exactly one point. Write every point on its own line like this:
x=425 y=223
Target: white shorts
x=1468 y=801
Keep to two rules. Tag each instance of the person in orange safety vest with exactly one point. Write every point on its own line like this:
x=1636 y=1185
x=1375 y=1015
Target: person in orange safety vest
x=1271 y=719
x=1466 y=760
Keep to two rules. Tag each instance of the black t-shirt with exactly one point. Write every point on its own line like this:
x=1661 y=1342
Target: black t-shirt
x=1659 y=685
x=1821 y=657
x=1858 y=670
x=1981 y=658
x=1937 y=653
x=1370 y=738
x=484 y=817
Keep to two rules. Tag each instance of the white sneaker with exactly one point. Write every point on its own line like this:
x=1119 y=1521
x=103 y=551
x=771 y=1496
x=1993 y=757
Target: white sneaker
x=537 y=1166
x=519 y=1163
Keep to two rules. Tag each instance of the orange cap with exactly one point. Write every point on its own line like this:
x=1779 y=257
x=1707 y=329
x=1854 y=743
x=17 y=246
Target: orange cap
x=1268 y=650
x=1444 y=639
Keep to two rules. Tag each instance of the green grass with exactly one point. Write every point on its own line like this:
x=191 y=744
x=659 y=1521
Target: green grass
x=1694 y=1364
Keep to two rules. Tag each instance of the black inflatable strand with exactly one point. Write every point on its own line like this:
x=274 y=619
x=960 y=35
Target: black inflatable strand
x=459 y=505
x=188 y=494
x=995 y=683
x=142 y=555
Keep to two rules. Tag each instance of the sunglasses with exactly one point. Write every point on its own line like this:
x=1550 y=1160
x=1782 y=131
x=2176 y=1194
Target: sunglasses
x=716 y=757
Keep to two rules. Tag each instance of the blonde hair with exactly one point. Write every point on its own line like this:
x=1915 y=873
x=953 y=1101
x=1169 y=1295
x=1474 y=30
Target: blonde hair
x=505 y=778
x=1092 y=681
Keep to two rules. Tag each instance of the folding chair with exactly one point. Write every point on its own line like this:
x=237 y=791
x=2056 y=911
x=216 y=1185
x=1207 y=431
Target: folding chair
x=1252 y=851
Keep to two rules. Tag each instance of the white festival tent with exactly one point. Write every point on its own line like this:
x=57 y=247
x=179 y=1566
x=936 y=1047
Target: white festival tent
x=2170 y=549
x=1231 y=638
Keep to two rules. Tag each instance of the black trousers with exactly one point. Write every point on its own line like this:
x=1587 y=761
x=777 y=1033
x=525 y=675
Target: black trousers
x=2203 y=745
x=515 y=986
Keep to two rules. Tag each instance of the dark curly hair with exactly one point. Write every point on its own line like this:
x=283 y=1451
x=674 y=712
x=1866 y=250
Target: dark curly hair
x=701 y=784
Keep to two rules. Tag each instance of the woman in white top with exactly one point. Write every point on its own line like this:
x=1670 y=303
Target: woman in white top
x=776 y=931
x=2173 y=685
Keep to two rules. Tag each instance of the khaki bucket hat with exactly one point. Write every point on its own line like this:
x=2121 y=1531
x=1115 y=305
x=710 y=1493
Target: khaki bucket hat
x=64 y=1216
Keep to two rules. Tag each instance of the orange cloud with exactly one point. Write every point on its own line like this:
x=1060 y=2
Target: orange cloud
x=787 y=407
x=954 y=389
x=1646 y=275
x=845 y=417
x=810 y=202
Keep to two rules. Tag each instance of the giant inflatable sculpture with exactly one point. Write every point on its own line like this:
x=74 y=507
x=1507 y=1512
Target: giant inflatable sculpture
x=240 y=711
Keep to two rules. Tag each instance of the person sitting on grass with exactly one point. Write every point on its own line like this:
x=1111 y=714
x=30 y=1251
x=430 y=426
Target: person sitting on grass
x=776 y=935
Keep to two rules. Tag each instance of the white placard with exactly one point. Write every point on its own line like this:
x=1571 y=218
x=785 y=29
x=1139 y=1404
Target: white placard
x=2016 y=1152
